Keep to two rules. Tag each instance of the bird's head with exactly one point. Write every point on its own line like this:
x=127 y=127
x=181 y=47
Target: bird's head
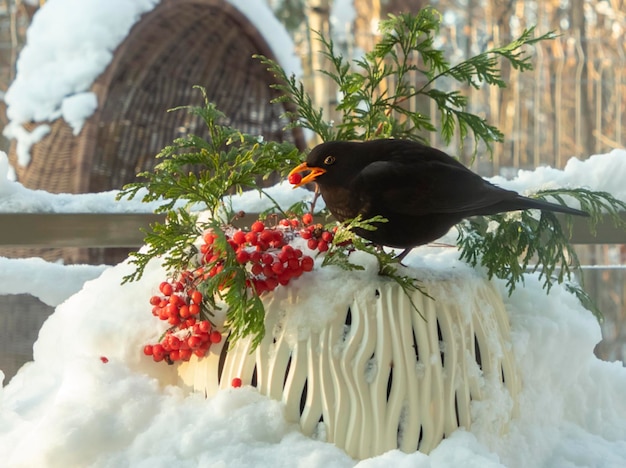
x=329 y=163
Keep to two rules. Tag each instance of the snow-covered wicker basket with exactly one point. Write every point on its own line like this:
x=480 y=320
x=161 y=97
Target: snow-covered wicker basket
x=380 y=376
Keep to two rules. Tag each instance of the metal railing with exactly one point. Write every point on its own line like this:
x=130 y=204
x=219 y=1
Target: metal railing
x=125 y=230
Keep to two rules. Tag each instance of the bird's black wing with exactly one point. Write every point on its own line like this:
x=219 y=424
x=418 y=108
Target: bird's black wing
x=419 y=186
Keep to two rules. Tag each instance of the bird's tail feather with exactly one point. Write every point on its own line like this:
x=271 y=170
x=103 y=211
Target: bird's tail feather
x=525 y=203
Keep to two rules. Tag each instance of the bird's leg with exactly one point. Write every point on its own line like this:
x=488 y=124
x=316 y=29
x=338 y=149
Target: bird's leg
x=316 y=195
x=397 y=259
x=403 y=254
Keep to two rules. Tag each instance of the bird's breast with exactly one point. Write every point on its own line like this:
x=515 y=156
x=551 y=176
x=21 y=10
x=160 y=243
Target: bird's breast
x=342 y=202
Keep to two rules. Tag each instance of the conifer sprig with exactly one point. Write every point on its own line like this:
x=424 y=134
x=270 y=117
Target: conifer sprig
x=405 y=64
x=509 y=245
x=196 y=174
x=200 y=172
x=345 y=242
x=172 y=240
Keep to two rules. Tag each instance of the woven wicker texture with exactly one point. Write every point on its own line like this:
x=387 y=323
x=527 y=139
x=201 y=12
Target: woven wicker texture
x=181 y=43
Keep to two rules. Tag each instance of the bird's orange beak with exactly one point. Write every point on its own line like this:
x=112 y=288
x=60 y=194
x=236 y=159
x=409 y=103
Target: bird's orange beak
x=314 y=172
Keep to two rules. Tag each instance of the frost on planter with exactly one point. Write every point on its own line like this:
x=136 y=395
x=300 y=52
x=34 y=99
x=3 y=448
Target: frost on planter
x=373 y=374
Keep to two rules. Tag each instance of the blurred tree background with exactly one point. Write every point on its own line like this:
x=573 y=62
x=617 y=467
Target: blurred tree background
x=570 y=105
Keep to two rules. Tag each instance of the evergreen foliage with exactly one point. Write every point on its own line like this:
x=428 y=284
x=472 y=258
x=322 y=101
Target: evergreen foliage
x=197 y=174
x=406 y=58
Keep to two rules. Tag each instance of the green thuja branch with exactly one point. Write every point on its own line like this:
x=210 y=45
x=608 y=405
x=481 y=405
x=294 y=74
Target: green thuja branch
x=197 y=174
x=295 y=97
x=345 y=241
x=509 y=245
x=485 y=67
x=585 y=299
x=172 y=240
x=405 y=65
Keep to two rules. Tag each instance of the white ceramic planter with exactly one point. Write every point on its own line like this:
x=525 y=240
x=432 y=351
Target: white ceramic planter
x=379 y=376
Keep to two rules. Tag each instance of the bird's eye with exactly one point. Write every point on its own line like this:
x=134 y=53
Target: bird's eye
x=329 y=160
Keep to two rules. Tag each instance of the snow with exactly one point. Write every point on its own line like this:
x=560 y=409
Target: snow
x=15 y=198
x=77 y=108
x=600 y=172
x=65 y=53
x=274 y=33
x=25 y=139
x=32 y=276
x=68 y=408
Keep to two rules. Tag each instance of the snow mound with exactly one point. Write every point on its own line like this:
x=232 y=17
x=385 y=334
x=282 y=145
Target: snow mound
x=68 y=408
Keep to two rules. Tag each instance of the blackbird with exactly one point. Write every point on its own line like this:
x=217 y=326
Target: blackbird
x=420 y=190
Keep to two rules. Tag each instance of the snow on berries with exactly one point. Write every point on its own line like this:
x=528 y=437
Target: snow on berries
x=268 y=259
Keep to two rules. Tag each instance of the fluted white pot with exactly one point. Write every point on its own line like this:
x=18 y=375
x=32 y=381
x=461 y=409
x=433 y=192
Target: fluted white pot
x=380 y=375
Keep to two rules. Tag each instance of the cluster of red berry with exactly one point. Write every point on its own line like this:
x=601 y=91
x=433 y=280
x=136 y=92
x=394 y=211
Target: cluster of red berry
x=317 y=237
x=180 y=304
x=269 y=261
x=265 y=252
